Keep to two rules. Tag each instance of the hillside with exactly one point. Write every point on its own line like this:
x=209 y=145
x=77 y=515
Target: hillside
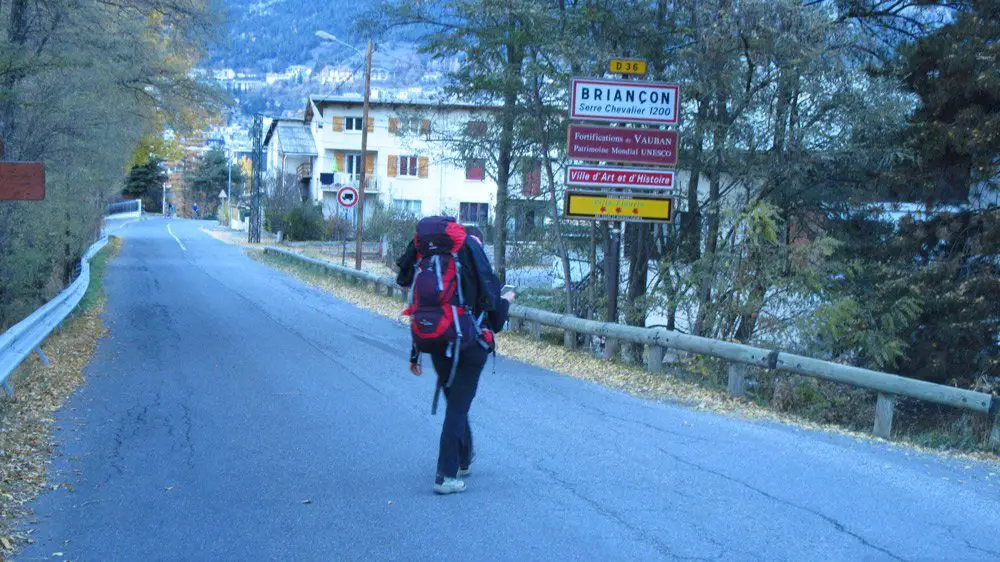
x=268 y=35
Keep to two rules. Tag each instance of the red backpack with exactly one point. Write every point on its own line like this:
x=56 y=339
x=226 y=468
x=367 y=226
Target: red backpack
x=440 y=319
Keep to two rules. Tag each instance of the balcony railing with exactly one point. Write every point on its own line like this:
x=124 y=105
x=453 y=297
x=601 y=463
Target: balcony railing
x=336 y=180
x=304 y=171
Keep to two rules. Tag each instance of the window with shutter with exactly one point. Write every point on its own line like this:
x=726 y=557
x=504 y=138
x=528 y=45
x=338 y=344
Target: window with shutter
x=423 y=166
x=475 y=169
x=408 y=167
x=393 y=125
x=338 y=124
x=425 y=127
x=371 y=124
x=353 y=123
x=369 y=164
x=392 y=165
x=531 y=183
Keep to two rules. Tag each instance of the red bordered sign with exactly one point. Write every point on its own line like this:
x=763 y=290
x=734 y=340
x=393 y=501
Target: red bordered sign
x=624 y=101
x=347 y=197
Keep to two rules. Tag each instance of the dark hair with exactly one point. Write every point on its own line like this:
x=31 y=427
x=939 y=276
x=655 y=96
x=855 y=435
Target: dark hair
x=475 y=231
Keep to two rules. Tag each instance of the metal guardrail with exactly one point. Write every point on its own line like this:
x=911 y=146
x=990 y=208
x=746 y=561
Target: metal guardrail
x=740 y=356
x=17 y=343
x=124 y=209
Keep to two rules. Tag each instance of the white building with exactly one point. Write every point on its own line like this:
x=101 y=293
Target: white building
x=406 y=167
x=410 y=164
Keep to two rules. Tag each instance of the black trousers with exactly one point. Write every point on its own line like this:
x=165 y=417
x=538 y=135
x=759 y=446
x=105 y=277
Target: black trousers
x=456 y=436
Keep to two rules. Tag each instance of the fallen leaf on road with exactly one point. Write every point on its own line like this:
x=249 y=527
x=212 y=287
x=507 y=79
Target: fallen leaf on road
x=307 y=501
x=6 y=543
x=57 y=554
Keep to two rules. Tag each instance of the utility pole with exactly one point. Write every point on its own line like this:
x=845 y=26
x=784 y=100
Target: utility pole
x=364 y=157
x=256 y=219
x=229 y=189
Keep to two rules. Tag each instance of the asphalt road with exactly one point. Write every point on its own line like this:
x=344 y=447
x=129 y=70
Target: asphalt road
x=233 y=413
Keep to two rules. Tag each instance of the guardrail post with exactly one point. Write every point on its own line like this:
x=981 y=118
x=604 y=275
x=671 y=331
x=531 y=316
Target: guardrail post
x=883 y=415
x=517 y=324
x=655 y=364
x=390 y=291
x=42 y=356
x=610 y=348
x=569 y=340
x=536 y=329
x=736 y=386
x=993 y=442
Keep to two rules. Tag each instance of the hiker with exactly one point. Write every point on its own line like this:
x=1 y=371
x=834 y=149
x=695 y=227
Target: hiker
x=456 y=309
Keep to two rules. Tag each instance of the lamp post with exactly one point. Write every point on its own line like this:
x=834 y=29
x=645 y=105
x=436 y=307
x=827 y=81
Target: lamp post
x=359 y=243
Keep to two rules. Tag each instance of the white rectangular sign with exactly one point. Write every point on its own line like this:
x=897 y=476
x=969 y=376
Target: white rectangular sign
x=624 y=101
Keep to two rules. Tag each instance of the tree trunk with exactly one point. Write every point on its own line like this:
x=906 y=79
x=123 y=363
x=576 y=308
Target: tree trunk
x=553 y=200
x=17 y=34
x=512 y=81
x=638 y=279
x=712 y=236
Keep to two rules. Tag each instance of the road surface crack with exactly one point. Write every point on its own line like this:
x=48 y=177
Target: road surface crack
x=840 y=527
x=615 y=516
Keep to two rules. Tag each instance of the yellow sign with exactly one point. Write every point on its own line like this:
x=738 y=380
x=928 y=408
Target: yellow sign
x=619 y=207
x=628 y=66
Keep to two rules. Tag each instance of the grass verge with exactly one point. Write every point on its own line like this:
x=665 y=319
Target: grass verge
x=693 y=382
x=26 y=440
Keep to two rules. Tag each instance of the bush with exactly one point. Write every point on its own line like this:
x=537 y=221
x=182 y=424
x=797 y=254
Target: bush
x=305 y=222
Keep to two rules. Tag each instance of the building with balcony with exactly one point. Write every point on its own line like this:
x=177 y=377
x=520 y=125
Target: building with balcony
x=410 y=164
x=291 y=154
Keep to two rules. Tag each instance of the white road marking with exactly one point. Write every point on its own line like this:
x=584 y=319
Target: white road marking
x=176 y=238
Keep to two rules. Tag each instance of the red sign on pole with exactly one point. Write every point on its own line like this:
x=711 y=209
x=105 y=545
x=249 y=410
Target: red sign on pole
x=601 y=177
x=618 y=144
x=22 y=181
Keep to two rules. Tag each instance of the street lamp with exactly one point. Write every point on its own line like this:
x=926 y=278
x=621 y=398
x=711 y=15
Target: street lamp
x=364 y=143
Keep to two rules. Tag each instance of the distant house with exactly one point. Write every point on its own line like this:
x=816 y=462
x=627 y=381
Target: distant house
x=291 y=152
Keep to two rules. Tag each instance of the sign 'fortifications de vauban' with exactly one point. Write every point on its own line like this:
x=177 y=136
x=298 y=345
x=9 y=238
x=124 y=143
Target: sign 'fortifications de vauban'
x=618 y=144
x=624 y=101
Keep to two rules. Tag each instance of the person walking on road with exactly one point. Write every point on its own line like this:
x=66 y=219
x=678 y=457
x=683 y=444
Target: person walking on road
x=457 y=308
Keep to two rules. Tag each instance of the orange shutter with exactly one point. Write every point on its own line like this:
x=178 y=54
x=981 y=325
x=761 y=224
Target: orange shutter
x=338 y=124
x=339 y=157
x=371 y=124
x=369 y=164
x=393 y=162
x=422 y=166
x=425 y=127
x=393 y=125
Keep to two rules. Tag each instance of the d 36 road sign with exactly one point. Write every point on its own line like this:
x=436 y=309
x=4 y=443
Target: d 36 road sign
x=22 y=181
x=347 y=197
x=628 y=66
x=627 y=207
x=624 y=101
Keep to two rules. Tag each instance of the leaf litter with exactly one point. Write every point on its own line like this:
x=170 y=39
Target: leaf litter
x=26 y=422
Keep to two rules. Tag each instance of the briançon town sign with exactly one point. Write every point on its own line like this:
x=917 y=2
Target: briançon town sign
x=621 y=193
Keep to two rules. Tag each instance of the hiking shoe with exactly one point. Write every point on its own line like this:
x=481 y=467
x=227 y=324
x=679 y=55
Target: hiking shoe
x=449 y=486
